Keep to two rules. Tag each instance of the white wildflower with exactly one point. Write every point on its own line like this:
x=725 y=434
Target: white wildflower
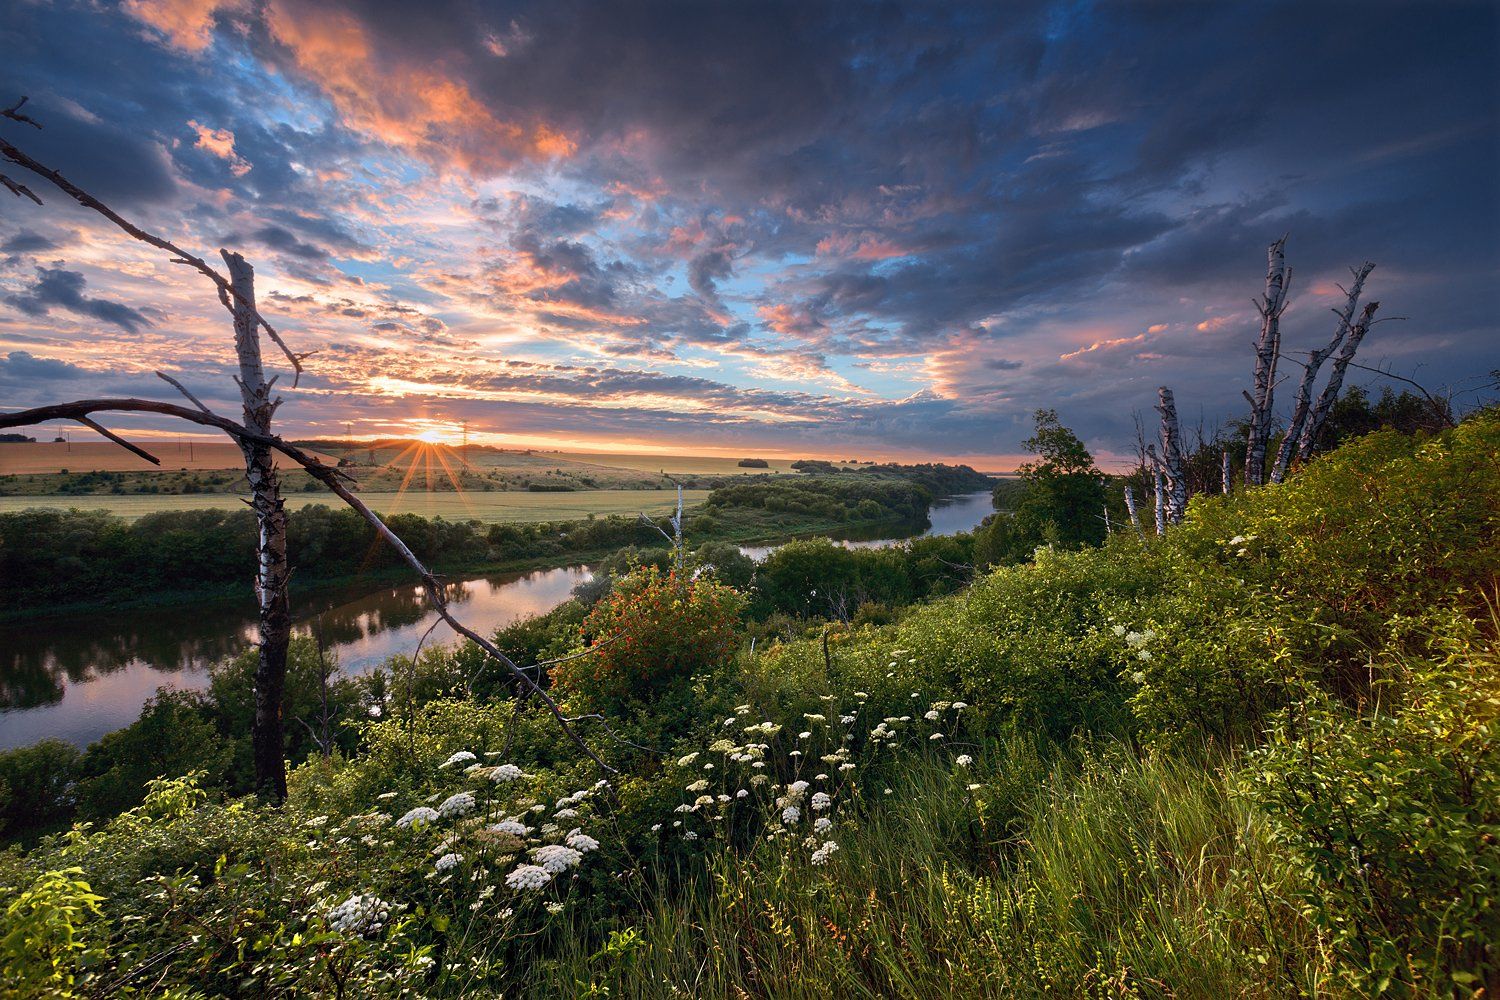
x=421 y=814
x=697 y=786
x=513 y=827
x=565 y=814
x=790 y=815
x=502 y=773
x=457 y=804
x=554 y=908
x=582 y=842
x=556 y=858
x=821 y=801
x=963 y=760
x=742 y=794
x=822 y=854
x=528 y=877
x=447 y=861
x=822 y=824
x=462 y=757
x=360 y=914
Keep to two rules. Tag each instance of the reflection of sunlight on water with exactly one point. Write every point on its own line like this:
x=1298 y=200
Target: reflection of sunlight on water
x=106 y=668
x=362 y=633
x=947 y=516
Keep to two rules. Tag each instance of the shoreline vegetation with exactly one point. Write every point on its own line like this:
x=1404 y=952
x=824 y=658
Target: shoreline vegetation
x=59 y=561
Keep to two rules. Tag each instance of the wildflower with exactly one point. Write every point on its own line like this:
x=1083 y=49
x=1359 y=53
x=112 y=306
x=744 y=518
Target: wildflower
x=822 y=854
x=1138 y=677
x=846 y=766
x=846 y=719
x=935 y=736
x=505 y=772
x=820 y=777
x=447 y=861
x=697 y=786
x=964 y=760
x=931 y=715
x=565 y=814
x=655 y=827
x=797 y=788
x=360 y=915
x=457 y=804
x=528 y=877
x=513 y=827
x=554 y=908
x=582 y=842
x=685 y=761
x=742 y=794
x=822 y=824
x=814 y=717
x=821 y=801
x=690 y=835
x=790 y=815
x=1143 y=654
x=462 y=757
x=421 y=814
x=861 y=694
x=556 y=858
x=959 y=706
x=804 y=735
x=975 y=788
x=1118 y=630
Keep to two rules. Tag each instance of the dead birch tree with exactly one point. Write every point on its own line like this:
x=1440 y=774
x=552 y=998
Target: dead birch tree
x=1171 y=451
x=1227 y=484
x=258 y=445
x=1267 y=351
x=1315 y=359
x=1330 y=394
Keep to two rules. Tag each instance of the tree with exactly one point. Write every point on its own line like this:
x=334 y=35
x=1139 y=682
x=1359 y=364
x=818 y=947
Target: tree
x=255 y=439
x=1064 y=490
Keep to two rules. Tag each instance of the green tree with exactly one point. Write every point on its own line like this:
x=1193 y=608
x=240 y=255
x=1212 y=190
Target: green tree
x=1065 y=491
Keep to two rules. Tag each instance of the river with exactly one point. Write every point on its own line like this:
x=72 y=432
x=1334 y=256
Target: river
x=77 y=678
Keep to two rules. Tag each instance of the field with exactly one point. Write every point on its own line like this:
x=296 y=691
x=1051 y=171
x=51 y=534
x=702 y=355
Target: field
x=692 y=465
x=488 y=507
x=102 y=456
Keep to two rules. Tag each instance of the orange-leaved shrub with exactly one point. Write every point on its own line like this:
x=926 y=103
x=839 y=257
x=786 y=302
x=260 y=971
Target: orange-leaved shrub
x=654 y=629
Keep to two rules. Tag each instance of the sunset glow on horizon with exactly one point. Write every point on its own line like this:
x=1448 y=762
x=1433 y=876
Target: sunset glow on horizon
x=764 y=232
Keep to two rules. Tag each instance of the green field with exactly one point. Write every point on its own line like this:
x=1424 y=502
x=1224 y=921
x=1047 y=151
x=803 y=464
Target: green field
x=488 y=507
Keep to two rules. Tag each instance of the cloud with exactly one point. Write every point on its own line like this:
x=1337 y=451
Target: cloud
x=63 y=289
x=20 y=366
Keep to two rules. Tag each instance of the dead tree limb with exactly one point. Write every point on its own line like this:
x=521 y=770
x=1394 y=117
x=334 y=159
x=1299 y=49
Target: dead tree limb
x=1315 y=359
x=329 y=477
x=1159 y=485
x=1267 y=350
x=1335 y=384
x=1171 y=450
x=1135 y=517
x=1227 y=483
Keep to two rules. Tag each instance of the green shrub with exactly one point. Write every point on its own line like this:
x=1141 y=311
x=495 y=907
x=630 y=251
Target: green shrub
x=654 y=630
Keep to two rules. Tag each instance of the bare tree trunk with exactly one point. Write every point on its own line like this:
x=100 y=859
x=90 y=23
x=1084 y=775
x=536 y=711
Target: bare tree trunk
x=1135 y=517
x=1228 y=483
x=1289 y=444
x=1335 y=384
x=1159 y=483
x=1267 y=351
x=272 y=572
x=1171 y=449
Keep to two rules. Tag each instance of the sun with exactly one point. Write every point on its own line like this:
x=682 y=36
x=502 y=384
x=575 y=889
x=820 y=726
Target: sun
x=433 y=436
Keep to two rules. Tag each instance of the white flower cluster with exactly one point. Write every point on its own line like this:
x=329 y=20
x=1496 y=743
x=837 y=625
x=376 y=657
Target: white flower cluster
x=502 y=773
x=448 y=861
x=457 y=804
x=421 y=814
x=461 y=757
x=528 y=878
x=360 y=914
x=822 y=854
x=555 y=858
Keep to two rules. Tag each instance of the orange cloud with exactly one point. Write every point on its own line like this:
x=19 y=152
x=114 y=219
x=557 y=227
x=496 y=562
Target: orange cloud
x=187 y=24
x=859 y=246
x=220 y=142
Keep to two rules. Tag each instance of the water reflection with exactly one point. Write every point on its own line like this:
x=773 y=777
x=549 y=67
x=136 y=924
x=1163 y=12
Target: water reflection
x=77 y=678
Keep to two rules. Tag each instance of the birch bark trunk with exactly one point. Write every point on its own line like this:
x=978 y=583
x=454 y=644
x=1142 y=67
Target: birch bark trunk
x=1267 y=350
x=1171 y=450
x=272 y=572
x=1330 y=393
x=1290 y=443
x=1135 y=517
x=1228 y=483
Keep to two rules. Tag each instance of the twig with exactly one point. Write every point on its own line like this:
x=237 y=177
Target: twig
x=100 y=428
x=182 y=389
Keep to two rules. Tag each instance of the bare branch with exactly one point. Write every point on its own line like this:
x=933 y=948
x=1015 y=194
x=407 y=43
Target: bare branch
x=328 y=476
x=182 y=389
x=14 y=114
x=92 y=425
x=179 y=255
x=19 y=190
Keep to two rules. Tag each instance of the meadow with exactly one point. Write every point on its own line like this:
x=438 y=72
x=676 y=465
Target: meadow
x=45 y=457
x=500 y=507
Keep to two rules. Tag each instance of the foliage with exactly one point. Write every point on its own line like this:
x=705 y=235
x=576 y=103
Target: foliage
x=654 y=630
x=46 y=941
x=1391 y=824
x=37 y=786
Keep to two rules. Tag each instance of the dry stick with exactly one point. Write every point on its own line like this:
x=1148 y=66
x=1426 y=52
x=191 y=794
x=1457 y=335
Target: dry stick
x=328 y=477
x=1330 y=393
x=1267 y=350
x=226 y=291
x=100 y=428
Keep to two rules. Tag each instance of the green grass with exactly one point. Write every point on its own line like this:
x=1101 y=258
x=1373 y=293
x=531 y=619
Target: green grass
x=497 y=507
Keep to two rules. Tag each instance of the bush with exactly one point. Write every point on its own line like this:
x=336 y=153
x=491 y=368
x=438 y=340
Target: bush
x=37 y=786
x=660 y=629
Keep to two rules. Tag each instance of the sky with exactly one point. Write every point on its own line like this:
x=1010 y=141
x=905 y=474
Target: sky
x=856 y=229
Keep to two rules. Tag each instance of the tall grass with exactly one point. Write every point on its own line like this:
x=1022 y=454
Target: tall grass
x=1066 y=873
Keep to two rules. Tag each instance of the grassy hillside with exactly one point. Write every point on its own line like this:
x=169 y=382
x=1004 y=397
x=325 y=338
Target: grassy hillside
x=1255 y=758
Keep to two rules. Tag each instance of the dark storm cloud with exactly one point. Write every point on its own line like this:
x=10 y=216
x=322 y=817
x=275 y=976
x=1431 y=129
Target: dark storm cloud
x=27 y=241
x=58 y=288
x=21 y=366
